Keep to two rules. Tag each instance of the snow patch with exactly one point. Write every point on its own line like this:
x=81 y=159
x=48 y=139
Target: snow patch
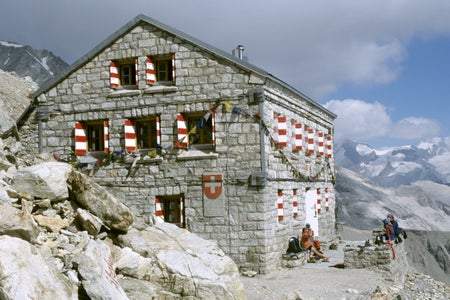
x=8 y=44
x=363 y=149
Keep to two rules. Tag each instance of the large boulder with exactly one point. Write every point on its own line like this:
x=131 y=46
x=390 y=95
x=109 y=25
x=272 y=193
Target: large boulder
x=98 y=201
x=25 y=274
x=97 y=271
x=45 y=180
x=180 y=262
x=16 y=223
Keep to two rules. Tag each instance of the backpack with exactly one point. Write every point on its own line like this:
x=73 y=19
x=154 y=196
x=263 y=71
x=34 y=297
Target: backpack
x=294 y=246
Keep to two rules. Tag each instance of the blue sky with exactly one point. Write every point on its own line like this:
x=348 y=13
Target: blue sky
x=382 y=66
x=421 y=90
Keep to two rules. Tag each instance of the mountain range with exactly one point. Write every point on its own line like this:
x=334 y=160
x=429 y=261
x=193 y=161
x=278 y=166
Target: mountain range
x=412 y=182
x=40 y=65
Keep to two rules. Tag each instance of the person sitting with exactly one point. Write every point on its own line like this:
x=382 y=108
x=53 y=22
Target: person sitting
x=305 y=242
x=314 y=241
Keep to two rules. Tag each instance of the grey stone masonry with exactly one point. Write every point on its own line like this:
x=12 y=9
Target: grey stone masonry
x=389 y=258
x=268 y=162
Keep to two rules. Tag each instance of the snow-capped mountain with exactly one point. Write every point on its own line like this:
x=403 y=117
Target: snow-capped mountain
x=392 y=167
x=40 y=65
x=362 y=204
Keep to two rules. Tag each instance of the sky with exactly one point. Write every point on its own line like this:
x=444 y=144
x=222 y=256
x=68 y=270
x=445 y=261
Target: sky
x=382 y=67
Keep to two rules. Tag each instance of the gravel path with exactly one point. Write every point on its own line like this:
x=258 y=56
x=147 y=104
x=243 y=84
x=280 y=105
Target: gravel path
x=318 y=280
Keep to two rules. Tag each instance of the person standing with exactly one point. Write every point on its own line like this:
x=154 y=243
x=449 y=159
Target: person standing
x=390 y=234
x=394 y=223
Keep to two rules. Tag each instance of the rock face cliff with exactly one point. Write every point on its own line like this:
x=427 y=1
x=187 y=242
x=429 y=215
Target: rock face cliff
x=40 y=65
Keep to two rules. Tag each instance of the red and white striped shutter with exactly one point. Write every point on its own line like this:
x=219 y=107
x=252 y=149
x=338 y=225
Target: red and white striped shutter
x=150 y=71
x=158 y=131
x=320 y=143
x=282 y=131
x=298 y=142
x=310 y=141
x=280 y=211
x=326 y=199
x=106 y=136
x=295 y=203
x=113 y=75
x=80 y=139
x=136 y=68
x=182 y=132
x=213 y=128
x=159 y=208
x=319 y=199
x=329 y=146
x=173 y=68
x=182 y=212
x=130 y=136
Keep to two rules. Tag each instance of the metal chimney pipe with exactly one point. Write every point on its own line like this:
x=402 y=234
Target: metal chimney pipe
x=240 y=49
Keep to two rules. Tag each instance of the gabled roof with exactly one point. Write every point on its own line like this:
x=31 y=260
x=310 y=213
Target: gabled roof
x=213 y=50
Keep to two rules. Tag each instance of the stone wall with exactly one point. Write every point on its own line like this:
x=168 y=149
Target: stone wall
x=392 y=261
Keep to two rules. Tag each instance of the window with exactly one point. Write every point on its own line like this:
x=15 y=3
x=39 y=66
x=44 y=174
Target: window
x=164 y=70
x=95 y=137
x=161 y=70
x=196 y=130
x=200 y=130
x=127 y=74
x=171 y=209
x=146 y=134
x=123 y=73
x=142 y=133
x=91 y=136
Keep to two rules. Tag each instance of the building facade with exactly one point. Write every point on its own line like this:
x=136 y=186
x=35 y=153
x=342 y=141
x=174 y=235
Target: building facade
x=196 y=136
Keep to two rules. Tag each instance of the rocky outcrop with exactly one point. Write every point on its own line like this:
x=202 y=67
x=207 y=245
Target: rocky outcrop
x=64 y=237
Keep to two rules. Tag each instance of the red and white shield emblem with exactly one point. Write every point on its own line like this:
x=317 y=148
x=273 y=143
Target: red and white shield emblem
x=212 y=185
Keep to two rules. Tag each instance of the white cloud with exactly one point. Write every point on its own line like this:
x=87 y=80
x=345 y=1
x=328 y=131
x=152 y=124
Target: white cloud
x=415 y=128
x=357 y=119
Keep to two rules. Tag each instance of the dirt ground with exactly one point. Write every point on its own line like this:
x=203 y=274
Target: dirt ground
x=318 y=280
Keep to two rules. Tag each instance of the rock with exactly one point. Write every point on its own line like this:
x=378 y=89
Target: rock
x=89 y=222
x=188 y=264
x=98 y=201
x=132 y=264
x=138 y=289
x=6 y=122
x=17 y=223
x=97 y=270
x=26 y=275
x=45 y=180
x=54 y=224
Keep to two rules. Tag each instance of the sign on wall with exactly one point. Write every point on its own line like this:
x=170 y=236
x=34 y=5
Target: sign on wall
x=213 y=195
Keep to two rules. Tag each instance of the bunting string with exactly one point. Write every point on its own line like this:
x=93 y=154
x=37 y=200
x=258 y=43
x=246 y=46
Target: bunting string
x=227 y=107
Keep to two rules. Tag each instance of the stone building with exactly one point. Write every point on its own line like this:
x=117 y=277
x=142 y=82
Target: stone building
x=196 y=136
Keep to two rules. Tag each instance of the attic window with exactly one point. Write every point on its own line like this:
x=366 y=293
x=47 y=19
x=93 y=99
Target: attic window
x=161 y=70
x=123 y=73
